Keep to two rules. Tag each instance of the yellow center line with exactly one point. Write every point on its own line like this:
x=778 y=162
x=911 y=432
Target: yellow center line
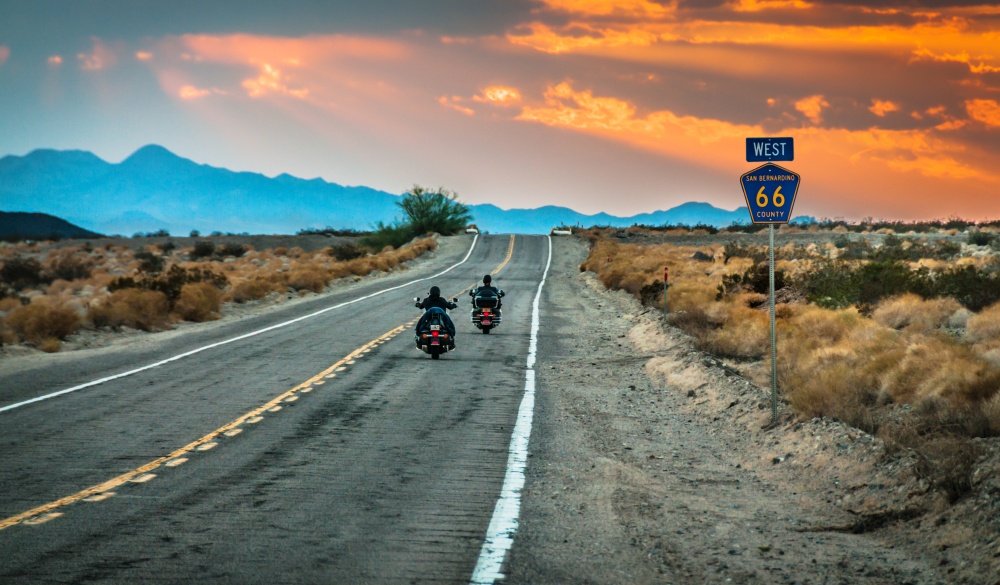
x=194 y=445
x=140 y=473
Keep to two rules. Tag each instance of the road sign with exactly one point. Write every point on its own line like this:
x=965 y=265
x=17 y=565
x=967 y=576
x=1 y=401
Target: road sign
x=770 y=193
x=770 y=149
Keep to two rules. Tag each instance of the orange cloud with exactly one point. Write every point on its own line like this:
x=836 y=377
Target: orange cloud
x=984 y=111
x=55 y=60
x=308 y=68
x=761 y=5
x=812 y=108
x=100 y=58
x=499 y=95
x=143 y=55
x=621 y=8
x=454 y=103
x=190 y=92
x=271 y=80
x=881 y=107
x=977 y=65
x=4 y=54
x=701 y=141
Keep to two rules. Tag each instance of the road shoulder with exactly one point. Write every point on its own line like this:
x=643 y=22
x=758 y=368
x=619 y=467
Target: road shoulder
x=649 y=464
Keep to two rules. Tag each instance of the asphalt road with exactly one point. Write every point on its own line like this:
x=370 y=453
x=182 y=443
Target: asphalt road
x=381 y=465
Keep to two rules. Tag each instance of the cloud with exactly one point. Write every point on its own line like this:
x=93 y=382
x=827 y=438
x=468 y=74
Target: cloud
x=812 y=108
x=700 y=140
x=101 y=57
x=55 y=60
x=143 y=55
x=190 y=92
x=985 y=111
x=309 y=68
x=977 y=65
x=499 y=95
x=4 y=53
x=881 y=107
x=454 y=102
x=641 y=9
x=272 y=80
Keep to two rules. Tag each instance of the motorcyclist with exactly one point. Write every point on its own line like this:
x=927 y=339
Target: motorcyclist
x=434 y=299
x=488 y=286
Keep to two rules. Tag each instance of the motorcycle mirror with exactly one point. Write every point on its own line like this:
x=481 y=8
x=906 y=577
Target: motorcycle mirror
x=416 y=299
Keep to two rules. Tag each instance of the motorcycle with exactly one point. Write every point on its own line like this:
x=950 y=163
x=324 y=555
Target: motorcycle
x=432 y=335
x=486 y=310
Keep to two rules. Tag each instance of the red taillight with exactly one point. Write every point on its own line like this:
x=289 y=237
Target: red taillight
x=434 y=333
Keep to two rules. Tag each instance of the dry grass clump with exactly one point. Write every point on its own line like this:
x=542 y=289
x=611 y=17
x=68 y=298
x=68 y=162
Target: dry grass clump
x=739 y=332
x=40 y=322
x=308 y=277
x=934 y=368
x=132 y=307
x=985 y=326
x=913 y=312
x=199 y=301
x=254 y=289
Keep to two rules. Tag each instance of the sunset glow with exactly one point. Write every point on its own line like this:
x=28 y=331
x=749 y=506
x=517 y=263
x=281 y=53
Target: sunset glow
x=888 y=107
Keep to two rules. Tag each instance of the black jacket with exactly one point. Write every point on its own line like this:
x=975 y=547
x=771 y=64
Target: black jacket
x=439 y=302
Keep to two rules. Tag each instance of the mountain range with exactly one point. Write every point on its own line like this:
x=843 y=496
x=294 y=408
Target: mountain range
x=154 y=189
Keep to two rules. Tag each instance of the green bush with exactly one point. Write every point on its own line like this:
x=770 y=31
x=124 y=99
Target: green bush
x=21 y=273
x=755 y=279
x=344 y=252
x=978 y=238
x=149 y=262
x=235 y=250
x=203 y=249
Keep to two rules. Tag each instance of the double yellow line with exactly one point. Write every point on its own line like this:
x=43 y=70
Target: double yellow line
x=102 y=491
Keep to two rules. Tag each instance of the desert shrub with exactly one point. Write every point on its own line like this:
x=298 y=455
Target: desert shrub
x=149 y=262
x=733 y=250
x=68 y=266
x=741 y=332
x=985 y=326
x=756 y=279
x=975 y=289
x=203 y=249
x=395 y=235
x=934 y=368
x=310 y=278
x=198 y=301
x=234 y=250
x=21 y=273
x=253 y=289
x=170 y=282
x=949 y=464
x=147 y=310
x=38 y=322
x=167 y=247
x=910 y=310
x=346 y=251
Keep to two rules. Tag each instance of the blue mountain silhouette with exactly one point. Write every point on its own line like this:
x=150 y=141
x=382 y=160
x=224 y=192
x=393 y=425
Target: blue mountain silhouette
x=155 y=189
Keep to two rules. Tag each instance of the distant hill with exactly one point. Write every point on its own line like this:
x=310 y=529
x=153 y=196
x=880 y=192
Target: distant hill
x=154 y=189
x=36 y=226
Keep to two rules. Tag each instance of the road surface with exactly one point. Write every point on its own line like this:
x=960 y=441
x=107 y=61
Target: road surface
x=327 y=450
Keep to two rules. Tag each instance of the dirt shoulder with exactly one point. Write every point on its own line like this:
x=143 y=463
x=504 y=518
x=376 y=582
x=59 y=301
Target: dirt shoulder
x=654 y=463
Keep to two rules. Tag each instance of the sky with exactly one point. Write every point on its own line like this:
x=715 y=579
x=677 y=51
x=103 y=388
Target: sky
x=625 y=106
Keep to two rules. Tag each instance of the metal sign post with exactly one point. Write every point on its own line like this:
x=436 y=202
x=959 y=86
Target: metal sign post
x=770 y=192
x=666 y=274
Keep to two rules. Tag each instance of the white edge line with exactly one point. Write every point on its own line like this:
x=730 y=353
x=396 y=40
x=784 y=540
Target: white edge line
x=234 y=339
x=503 y=524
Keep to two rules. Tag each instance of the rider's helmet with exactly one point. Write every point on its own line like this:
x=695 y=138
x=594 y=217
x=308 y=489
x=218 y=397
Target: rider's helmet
x=487 y=279
x=435 y=292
